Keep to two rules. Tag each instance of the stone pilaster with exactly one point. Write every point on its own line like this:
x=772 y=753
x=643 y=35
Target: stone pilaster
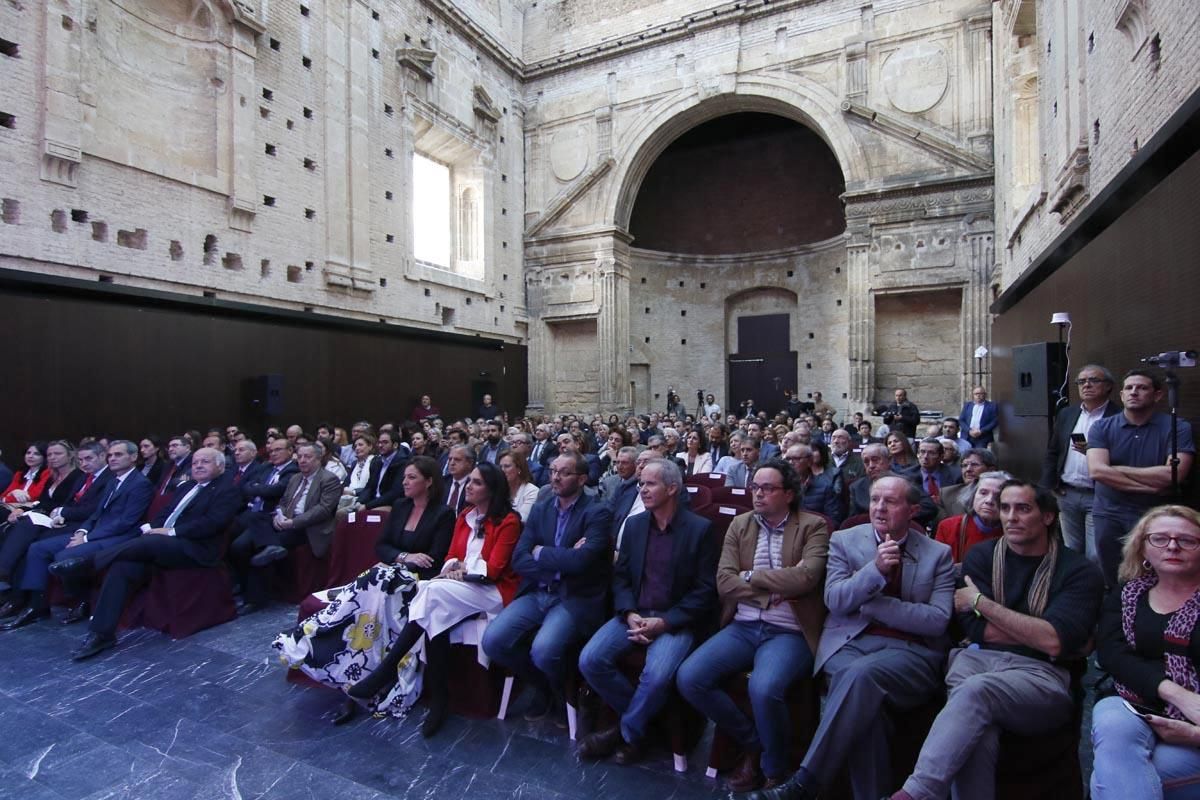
x=977 y=320
x=612 y=328
x=62 y=111
x=862 y=332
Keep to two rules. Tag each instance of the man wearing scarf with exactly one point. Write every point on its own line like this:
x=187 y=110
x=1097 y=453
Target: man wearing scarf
x=1029 y=606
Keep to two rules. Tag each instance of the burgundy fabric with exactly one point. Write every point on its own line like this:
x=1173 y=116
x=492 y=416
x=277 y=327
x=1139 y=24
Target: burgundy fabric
x=180 y=602
x=302 y=574
x=725 y=495
x=701 y=498
x=706 y=479
x=353 y=546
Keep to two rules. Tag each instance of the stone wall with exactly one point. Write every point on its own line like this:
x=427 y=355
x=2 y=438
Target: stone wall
x=917 y=339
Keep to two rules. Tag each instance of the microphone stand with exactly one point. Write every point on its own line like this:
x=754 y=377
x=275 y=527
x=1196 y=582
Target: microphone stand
x=1172 y=381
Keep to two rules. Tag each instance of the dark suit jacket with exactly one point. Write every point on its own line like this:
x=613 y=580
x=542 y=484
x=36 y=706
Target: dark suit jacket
x=851 y=469
x=549 y=451
x=77 y=512
x=583 y=572
x=120 y=518
x=317 y=518
x=270 y=493
x=254 y=472
x=695 y=552
x=390 y=489
x=200 y=527
x=860 y=501
x=621 y=501
x=431 y=536
x=462 y=496
x=1060 y=442
x=6 y=474
x=823 y=495
x=987 y=423
x=178 y=477
x=62 y=494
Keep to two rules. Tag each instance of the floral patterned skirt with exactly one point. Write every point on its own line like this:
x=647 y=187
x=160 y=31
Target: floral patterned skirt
x=345 y=641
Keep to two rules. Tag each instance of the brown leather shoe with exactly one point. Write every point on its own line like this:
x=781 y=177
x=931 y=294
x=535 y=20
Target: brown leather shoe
x=600 y=744
x=746 y=776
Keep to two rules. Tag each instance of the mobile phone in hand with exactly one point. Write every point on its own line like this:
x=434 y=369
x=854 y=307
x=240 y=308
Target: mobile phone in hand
x=1139 y=710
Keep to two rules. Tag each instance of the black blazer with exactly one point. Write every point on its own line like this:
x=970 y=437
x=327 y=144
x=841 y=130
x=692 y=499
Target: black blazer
x=694 y=555
x=462 y=496
x=62 y=494
x=432 y=535
x=270 y=493
x=87 y=505
x=390 y=489
x=156 y=471
x=1060 y=442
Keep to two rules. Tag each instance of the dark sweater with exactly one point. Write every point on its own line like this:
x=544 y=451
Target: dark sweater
x=1143 y=668
x=1076 y=590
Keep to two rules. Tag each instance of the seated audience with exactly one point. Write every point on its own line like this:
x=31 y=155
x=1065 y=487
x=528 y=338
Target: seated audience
x=877 y=464
x=523 y=492
x=460 y=460
x=564 y=564
x=152 y=458
x=934 y=475
x=187 y=533
x=769 y=578
x=663 y=594
x=360 y=468
x=890 y=592
x=1028 y=607
x=383 y=484
x=818 y=493
x=476 y=577
x=956 y=498
x=845 y=465
x=246 y=467
x=904 y=458
x=113 y=522
x=749 y=453
x=1146 y=739
x=696 y=458
x=26 y=486
x=963 y=531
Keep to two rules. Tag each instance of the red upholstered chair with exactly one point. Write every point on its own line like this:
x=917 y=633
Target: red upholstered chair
x=804 y=708
x=857 y=519
x=712 y=480
x=301 y=574
x=732 y=496
x=353 y=547
x=180 y=602
x=701 y=498
x=721 y=516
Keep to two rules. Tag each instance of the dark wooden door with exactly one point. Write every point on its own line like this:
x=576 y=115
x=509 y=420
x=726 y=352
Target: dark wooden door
x=764 y=365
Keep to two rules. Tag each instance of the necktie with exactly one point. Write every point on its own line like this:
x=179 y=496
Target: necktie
x=83 y=489
x=932 y=487
x=894 y=578
x=162 y=489
x=113 y=493
x=454 y=497
x=301 y=495
x=180 y=506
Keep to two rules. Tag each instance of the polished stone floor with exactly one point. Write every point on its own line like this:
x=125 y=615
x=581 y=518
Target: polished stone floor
x=211 y=716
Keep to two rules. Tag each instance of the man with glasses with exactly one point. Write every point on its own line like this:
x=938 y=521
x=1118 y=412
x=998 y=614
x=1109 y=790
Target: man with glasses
x=980 y=417
x=1128 y=457
x=1028 y=608
x=563 y=558
x=770 y=577
x=1065 y=468
x=664 y=596
x=890 y=592
x=818 y=493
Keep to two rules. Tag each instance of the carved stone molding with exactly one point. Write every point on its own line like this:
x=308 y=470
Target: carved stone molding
x=484 y=108
x=928 y=200
x=60 y=163
x=417 y=59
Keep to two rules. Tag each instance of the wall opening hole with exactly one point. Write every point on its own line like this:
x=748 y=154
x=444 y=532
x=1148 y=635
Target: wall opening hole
x=78 y=215
x=264 y=268
x=58 y=220
x=232 y=261
x=210 y=249
x=10 y=211
x=294 y=273
x=176 y=250
x=100 y=231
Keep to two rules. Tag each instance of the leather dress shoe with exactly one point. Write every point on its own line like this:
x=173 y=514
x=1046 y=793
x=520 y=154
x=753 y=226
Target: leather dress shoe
x=79 y=613
x=27 y=617
x=10 y=609
x=746 y=776
x=94 y=644
x=269 y=555
x=347 y=712
x=71 y=567
x=435 y=717
x=248 y=608
x=627 y=754
x=600 y=744
x=791 y=789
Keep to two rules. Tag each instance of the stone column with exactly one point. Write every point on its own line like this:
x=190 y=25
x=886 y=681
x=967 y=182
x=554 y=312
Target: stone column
x=977 y=320
x=862 y=317
x=539 y=343
x=612 y=327
x=979 y=59
x=243 y=189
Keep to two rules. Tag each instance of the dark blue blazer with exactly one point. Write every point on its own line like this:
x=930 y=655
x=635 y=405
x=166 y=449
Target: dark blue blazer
x=824 y=496
x=6 y=474
x=125 y=509
x=987 y=423
x=270 y=493
x=694 y=555
x=201 y=526
x=87 y=505
x=255 y=472
x=584 y=573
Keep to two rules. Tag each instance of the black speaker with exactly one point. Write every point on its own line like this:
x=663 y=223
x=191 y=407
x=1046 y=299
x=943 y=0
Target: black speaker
x=262 y=395
x=1038 y=376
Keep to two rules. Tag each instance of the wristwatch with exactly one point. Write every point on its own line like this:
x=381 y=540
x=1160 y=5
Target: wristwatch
x=747 y=574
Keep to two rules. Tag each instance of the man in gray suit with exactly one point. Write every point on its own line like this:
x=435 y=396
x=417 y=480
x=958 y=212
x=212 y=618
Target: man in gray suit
x=890 y=592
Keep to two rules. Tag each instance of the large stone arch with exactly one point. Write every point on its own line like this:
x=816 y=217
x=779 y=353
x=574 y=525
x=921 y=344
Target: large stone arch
x=809 y=105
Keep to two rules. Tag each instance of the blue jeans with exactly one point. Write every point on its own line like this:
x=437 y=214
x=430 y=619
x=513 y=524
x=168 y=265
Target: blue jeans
x=542 y=663
x=778 y=657
x=1075 y=518
x=598 y=664
x=1131 y=762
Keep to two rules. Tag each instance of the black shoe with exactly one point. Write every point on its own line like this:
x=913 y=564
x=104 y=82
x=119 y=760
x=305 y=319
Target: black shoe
x=79 y=613
x=26 y=617
x=791 y=789
x=347 y=712
x=541 y=705
x=436 y=717
x=249 y=608
x=269 y=555
x=600 y=744
x=11 y=608
x=627 y=754
x=71 y=567
x=94 y=644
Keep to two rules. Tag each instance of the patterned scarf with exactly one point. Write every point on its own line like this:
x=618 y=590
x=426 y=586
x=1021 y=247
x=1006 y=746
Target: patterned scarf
x=1178 y=634
x=1039 y=589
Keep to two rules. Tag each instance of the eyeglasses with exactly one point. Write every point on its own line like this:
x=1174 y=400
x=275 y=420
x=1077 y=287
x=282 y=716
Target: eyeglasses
x=1090 y=381
x=1161 y=540
x=765 y=488
x=563 y=473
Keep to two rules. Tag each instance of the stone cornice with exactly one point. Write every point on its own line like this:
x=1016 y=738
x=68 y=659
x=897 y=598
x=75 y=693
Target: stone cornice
x=485 y=41
x=917 y=199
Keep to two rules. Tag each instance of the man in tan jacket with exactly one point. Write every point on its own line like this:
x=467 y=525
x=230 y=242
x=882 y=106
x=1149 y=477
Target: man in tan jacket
x=770 y=578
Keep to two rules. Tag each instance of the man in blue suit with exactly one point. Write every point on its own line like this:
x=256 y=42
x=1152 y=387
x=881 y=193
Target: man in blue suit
x=664 y=594
x=563 y=558
x=980 y=418
x=114 y=522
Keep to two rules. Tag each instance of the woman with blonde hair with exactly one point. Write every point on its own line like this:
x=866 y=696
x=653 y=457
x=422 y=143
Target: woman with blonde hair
x=1146 y=738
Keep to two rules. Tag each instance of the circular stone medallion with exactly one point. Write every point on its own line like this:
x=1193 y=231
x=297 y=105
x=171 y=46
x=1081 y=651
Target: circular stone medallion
x=569 y=153
x=916 y=76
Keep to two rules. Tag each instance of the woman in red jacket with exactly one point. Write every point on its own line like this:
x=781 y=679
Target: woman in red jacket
x=477 y=577
x=27 y=486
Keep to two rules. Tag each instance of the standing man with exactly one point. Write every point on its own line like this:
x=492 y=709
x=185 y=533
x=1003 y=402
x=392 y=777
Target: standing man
x=711 y=408
x=1025 y=628
x=664 y=595
x=770 y=577
x=1128 y=457
x=486 y=409
x=902 y=416
x=980 y=417
x=1065 y=468
x=565 y=563
x=890 y=592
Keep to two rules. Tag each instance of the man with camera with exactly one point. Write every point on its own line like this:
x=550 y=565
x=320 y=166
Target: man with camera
x=902 y=416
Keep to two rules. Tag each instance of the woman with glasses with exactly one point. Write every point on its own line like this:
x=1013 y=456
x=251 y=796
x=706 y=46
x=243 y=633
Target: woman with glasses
x=1147 y=737
x=477 y=577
